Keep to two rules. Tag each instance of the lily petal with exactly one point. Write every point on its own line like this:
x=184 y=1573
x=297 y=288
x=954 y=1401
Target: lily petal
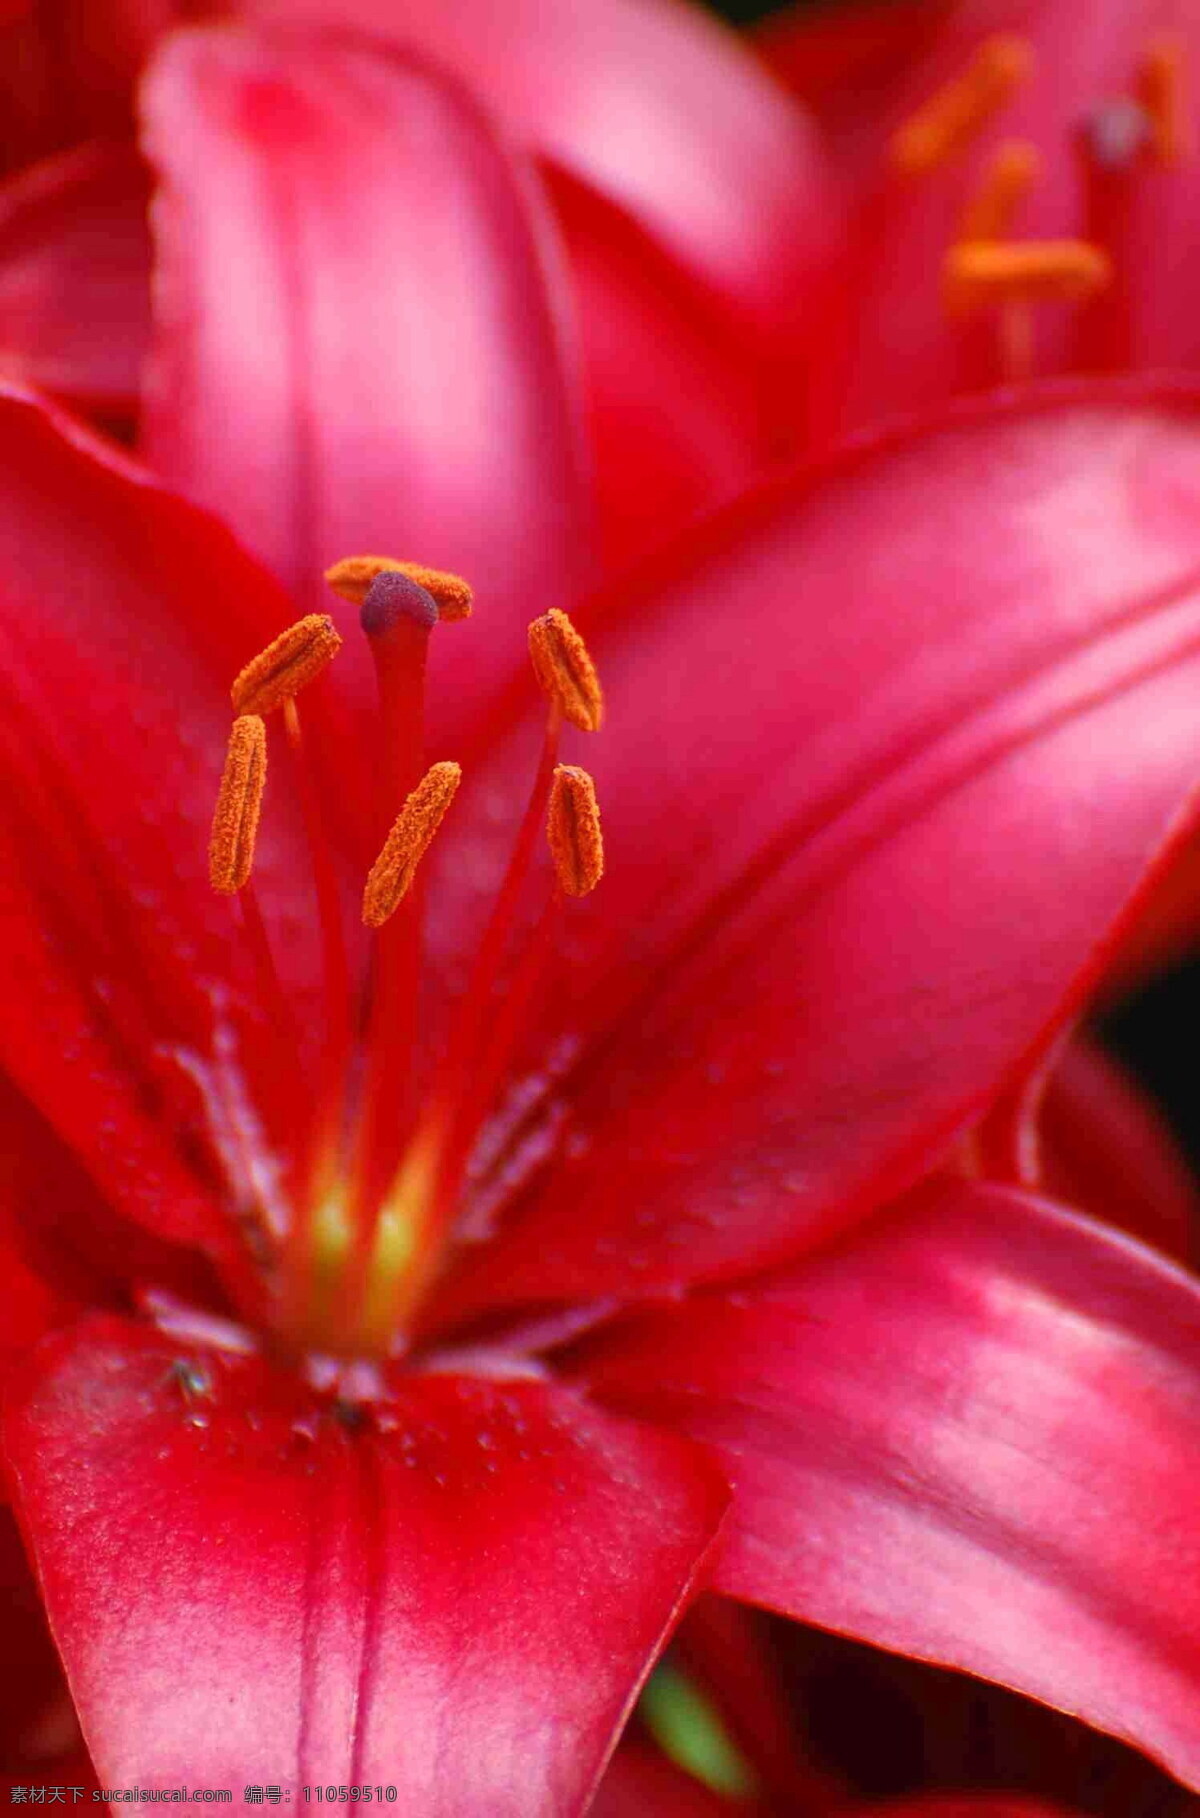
x=677 y=419
x=980 y=1404
x=357 y=348
x=75 y=277
x=657 y=107
x=123 y=614
x=458 y=1595
x=902 y=740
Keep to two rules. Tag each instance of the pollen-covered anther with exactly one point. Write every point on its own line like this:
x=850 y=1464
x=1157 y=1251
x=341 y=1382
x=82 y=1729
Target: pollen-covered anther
x=287 y=665
x=352 y=578
x=392 y=873
x=1162 y=91
x=1011 y=174
x=239 y=804
x=573 y=830
x=565 y=670
x=979 y=274
x=951 y=118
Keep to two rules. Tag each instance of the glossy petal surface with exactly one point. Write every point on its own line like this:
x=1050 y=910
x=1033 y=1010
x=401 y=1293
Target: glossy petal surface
x=356 y=347
x=886 y=755
x=654 y=105
x=458 y=1597
x=969 y=1434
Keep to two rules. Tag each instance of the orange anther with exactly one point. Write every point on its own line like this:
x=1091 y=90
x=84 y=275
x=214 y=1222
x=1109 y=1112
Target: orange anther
x=573 y=830
x=565 y=670
x=980 y=273
x=393 y=871
x=353 y=576
x=1012 y=172
x=239 y=803
x=952 y=117
x=286 y=665
x=1162 y=91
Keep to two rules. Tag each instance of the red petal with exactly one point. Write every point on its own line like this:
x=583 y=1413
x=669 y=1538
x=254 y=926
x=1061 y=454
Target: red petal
x=123 y=614
x=641 y=1783
x=75 y=277
x=459 y=1598
x=969 y=1434
x=887 y=754
x=657 y=107
x=67 y=68
x=675 y=414
x=357 y=349
x=37 y=1725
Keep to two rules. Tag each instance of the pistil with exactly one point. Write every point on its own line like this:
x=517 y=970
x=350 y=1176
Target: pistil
x=374 y=1202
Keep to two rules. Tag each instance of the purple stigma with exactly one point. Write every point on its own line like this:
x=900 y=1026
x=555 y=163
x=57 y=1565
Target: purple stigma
x=393 y=597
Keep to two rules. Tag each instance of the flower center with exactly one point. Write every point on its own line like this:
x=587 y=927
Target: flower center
x=377 y=1172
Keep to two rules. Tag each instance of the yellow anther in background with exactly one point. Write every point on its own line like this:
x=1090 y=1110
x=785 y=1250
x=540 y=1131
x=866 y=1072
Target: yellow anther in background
x=952 y=117
x=1012 y=172
x=1162 y=91
x=981 y=273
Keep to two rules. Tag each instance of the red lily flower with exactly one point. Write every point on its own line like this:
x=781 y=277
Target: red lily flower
x=448 y=1567
x=1017 y=123
x=806 y=973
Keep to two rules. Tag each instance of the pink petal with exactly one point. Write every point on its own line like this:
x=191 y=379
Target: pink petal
x=357 y=350
x=459 y=1597
x=658 y=108
x=75 y=277
x=968 y=1434
x=888 y=753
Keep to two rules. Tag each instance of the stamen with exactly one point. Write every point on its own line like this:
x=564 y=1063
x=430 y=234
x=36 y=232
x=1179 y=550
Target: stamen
x=413 y=829
x=565 y=670
x=1162 y=91
x=286 y=665
x=952 y=117
x=352 y=578
x=239 y=803
x=573 y=830
x=1012 y=173
x=981 y=273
